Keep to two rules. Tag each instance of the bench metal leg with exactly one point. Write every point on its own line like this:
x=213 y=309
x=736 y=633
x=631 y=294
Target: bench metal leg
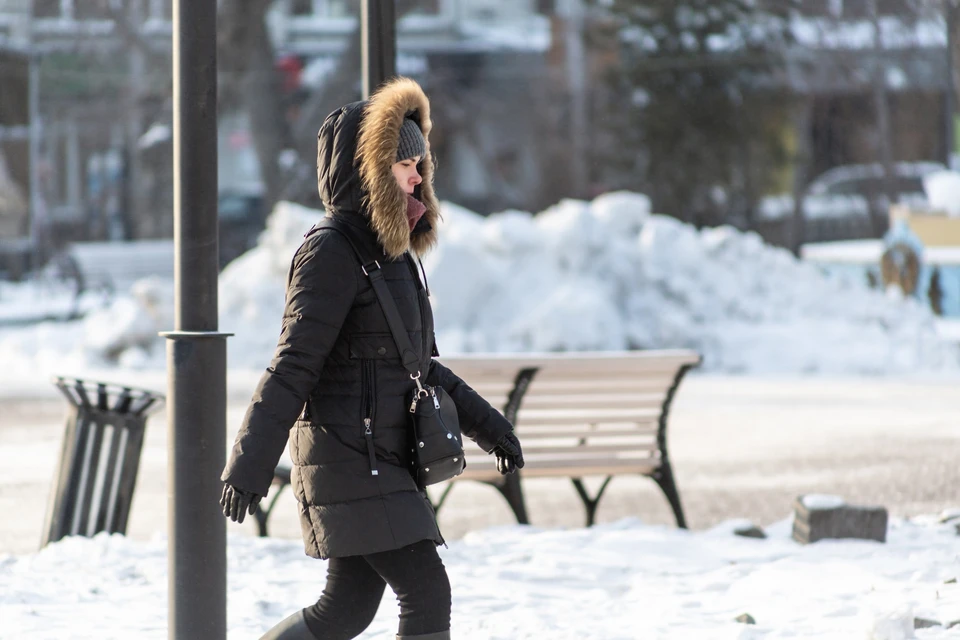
x=664 y=478
x=509 y=487
x=664 y=474
x=590 y=504
x=443 y=497
x=263 y=515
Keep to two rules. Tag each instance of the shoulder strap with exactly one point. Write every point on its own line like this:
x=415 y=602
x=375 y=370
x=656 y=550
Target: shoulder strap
x=371 y=268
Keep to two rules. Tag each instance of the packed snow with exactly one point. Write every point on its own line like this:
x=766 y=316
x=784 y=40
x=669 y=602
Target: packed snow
x=943 y=190
x=611 y=582
x=600 y=275
x=822 y=501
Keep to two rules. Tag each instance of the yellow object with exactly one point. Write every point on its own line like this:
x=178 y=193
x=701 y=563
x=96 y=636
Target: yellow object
x=933 y=228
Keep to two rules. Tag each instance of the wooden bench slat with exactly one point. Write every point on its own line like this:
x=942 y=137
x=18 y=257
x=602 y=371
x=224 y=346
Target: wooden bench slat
x=588 y=449
x=584 y=416
x=595 y=385
x=657 y=383
x=595 y=401
x=565 y=468
x=532 y=434
x=602 y=362
x=576 y=379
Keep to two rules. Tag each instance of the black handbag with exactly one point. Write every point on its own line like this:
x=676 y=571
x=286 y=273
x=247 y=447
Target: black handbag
x=436 y=442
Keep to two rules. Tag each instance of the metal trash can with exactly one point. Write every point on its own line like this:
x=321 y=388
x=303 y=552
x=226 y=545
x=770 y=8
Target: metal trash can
x=99 y=458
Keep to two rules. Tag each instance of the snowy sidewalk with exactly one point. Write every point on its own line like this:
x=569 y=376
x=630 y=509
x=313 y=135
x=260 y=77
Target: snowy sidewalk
x=613 y=582
x=742 y=447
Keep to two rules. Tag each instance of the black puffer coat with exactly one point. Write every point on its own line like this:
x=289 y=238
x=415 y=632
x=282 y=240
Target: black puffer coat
x=336 y=362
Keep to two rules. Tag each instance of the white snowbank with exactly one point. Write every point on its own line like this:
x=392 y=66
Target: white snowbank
x=600 y=275
x=943 y=191
x=622 y=580
x=819 y=501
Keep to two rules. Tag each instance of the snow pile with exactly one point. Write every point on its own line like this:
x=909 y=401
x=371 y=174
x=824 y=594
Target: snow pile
x=609 y=275
x=625 y=580
x=600 y=275
x=252 y=287
x=122 y=332
x=943 y=192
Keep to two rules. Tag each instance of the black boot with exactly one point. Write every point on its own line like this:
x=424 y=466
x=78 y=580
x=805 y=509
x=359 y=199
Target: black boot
x=291 y=628
x=443 y=635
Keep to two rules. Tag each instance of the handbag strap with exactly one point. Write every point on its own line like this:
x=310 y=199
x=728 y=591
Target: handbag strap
x=371 y=268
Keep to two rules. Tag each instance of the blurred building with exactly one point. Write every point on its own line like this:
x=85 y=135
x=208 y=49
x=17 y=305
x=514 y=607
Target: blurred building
x=97 y=91
x=874 y=112
x=516 y=87
x=846 y=57
x=484 y=64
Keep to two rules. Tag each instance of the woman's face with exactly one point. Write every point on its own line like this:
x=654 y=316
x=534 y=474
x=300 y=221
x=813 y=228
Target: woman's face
x=406 y=174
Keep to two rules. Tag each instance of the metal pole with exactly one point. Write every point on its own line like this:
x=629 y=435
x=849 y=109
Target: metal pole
x=950 y=105
x=196 y=351
x=378 y=41
x=37 y=235
x=577 y=83
x=884 y=133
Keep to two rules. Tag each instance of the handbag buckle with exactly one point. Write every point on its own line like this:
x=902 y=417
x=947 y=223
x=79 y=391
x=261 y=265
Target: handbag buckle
x=421 y=392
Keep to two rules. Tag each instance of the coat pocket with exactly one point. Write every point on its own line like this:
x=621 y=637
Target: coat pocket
x=374 y=346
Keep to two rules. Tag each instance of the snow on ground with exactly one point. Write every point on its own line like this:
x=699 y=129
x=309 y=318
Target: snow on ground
x=615 y=581
x=600 y=275
x=45 y=298
x=943 y=188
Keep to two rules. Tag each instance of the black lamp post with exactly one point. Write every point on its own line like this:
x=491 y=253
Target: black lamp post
x=196 y=350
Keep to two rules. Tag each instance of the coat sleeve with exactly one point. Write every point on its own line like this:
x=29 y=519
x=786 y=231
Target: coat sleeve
x=479 y=421
x=321 y=286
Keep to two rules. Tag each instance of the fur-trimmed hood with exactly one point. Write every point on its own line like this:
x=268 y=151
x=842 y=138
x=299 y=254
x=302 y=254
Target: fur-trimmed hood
x=357 y=147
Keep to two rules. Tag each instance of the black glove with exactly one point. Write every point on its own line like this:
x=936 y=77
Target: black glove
x=509 y=454
x=236 y=502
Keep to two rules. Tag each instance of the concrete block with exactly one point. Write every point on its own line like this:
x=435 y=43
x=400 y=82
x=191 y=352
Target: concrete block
x=816 y=518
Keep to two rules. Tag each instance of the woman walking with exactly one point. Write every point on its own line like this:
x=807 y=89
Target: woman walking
x=338 y=379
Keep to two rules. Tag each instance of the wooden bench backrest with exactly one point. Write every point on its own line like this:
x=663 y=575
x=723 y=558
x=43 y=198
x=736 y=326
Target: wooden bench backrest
x=120 y=264
x=579 y=408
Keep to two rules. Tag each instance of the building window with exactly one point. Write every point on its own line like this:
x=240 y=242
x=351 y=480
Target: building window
x=862 y=9
x=426 y=8
x=809 y=8
x=896 y=8
x=89 y=11
x=46 y=9
x=301 y=7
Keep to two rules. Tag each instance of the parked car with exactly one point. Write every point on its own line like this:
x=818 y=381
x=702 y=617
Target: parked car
x=867 y=181
x=838 y=204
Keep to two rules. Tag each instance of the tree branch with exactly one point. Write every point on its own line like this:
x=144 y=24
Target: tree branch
x=130 y=33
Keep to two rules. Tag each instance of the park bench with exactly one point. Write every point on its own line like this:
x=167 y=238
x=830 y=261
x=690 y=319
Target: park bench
x=576 y=414
x=115 y=266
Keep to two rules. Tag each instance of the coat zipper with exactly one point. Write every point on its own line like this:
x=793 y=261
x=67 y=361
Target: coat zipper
x=369 y=404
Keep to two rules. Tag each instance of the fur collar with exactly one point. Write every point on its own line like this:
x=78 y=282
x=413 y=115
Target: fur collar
x=386 y=202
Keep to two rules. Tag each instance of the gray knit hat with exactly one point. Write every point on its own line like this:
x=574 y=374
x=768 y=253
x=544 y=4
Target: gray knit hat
x=411 y=141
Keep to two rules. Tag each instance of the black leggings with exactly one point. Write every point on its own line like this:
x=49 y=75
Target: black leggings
x=355 y=587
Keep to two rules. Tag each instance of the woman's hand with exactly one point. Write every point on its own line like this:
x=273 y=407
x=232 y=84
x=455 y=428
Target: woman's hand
x=508 y=452
x=236 y=502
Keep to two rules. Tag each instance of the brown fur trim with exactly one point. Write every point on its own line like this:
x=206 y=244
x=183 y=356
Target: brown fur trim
x=376 y=153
